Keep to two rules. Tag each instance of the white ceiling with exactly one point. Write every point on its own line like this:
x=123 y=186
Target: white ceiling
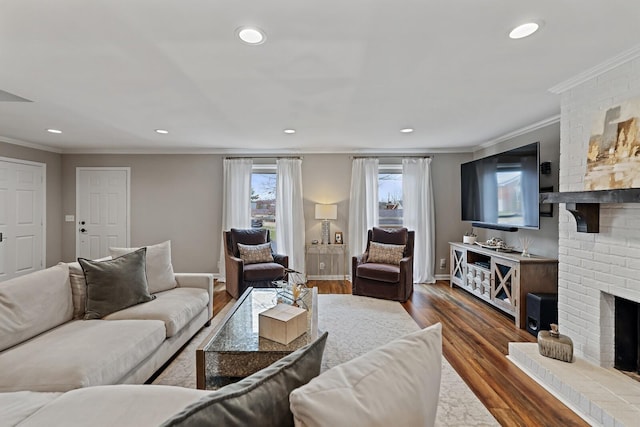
x=346 y=74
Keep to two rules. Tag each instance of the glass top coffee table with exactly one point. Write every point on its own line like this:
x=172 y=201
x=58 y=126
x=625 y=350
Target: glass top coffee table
x=234 y=350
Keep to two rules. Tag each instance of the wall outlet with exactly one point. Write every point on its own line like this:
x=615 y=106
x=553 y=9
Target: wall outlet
x=443 y=263
x=321 y=266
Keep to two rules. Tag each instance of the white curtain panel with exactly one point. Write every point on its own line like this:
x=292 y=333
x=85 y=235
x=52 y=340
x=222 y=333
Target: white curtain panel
x=363 y=209
x=236 y=200
x=289 y=212
x=417 y=200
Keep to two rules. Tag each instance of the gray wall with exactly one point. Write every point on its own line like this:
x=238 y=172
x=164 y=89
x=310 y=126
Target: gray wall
x=178 y=197
x=173 y=197
x=54 y=193
x=544 y=241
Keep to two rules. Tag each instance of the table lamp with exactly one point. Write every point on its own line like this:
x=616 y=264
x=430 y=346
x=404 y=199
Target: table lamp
x=325 y=213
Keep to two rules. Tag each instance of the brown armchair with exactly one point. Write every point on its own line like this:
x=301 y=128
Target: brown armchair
x=239 y=276
x=382 y=280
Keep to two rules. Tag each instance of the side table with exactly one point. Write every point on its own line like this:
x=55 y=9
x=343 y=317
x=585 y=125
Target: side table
x=335 y=255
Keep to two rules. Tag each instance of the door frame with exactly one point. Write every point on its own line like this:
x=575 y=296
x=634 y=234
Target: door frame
x=43 y=200
x=127 y=170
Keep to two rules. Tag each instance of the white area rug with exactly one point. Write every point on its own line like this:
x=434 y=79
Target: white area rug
x=359 y=324
x=356 y=325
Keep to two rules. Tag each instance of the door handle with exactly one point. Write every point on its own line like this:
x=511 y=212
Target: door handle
x=0 y=237
x=83 y=230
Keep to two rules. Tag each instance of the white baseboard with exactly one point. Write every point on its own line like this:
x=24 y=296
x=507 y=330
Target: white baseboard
x=327 y=277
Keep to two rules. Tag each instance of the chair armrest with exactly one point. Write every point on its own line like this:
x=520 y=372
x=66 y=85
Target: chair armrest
x=406 y=270
x=283 y=260
x=355 y=262
x=198 y=280
x=406 y=260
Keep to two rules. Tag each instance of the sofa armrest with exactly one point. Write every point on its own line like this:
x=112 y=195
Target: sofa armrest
x=198 y=280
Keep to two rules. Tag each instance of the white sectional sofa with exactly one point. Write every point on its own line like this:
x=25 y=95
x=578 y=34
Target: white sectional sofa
x=44 y=348
x=395 y=384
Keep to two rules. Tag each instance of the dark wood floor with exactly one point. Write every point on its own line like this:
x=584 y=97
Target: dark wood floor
x=475 y=341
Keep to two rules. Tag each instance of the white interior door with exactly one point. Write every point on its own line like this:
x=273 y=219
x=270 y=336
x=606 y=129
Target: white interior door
x=22 y=217
x=102 y=210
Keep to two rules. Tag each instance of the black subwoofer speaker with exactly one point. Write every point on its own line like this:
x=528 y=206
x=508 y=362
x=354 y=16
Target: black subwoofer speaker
x=542 y=311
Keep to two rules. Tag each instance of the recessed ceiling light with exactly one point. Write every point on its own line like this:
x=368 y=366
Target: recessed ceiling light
x=406 y=130
x=162 y=131
x=289 y=131
x=54 y=131
x=251 y=35
x=524 y=30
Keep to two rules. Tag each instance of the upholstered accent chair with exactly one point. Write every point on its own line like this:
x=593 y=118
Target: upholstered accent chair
x=255 y=270
x=385 y=270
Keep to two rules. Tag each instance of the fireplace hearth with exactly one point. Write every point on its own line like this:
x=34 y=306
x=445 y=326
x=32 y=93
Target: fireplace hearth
x=627 y=326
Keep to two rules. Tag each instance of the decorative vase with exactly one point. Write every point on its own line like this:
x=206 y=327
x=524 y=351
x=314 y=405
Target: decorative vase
x=469 y=239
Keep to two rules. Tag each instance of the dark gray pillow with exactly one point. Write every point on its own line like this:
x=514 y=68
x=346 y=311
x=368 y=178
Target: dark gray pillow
x=261 y=399
x=115 y=284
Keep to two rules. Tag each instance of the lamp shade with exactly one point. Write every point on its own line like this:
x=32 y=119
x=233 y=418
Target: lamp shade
x=326 y=211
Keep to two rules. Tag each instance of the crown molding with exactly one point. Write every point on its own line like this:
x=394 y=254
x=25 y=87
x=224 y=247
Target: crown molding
x=522 y=131
x=268 y=153
x=30 y=145
x=608 y=65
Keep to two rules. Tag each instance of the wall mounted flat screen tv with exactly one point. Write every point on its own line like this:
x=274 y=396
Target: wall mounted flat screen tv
x=501 y=191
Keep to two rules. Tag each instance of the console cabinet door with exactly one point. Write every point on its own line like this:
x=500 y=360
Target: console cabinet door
x=504 y=284
x=458 y=263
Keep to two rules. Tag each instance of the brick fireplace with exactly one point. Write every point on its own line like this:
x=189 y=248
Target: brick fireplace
x=594 y=268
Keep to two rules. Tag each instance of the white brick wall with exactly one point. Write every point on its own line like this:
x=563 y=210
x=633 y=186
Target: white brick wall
x=609 y=261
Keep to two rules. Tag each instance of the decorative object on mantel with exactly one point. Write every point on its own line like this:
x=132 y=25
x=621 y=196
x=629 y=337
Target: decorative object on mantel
x=469 y=237
x=525 y=242
x=613 y=160
x=554 y=345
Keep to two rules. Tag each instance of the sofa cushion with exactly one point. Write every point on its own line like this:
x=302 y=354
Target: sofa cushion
x=175 y=307
x=80 y=353
x=254 y=254
x=34 y=303
x=115 y=405
x=385 y=254
x=263 y=271
x=115 y=284
x=397 y=384
x=261 y=399
x=19 y=405
x=379 y=272
x=160 y=275
x=249 y=236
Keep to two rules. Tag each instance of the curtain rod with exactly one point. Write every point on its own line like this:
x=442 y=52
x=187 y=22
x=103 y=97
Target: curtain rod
x=391 y=157
x=265 y=157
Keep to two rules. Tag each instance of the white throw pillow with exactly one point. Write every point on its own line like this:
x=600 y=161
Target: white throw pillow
x=160 y=276
x=395 y=384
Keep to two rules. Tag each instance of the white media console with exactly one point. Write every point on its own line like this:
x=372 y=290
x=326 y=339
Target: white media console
x=502 y=279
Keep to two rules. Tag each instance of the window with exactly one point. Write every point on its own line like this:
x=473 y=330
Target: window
x=390 y=209
x=263 y=199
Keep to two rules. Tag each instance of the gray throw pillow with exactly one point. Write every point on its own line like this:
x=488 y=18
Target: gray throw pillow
x=261 y=399
x=115 y=284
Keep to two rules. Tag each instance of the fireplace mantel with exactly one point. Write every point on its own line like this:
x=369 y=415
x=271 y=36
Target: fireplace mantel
x=585 y=205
